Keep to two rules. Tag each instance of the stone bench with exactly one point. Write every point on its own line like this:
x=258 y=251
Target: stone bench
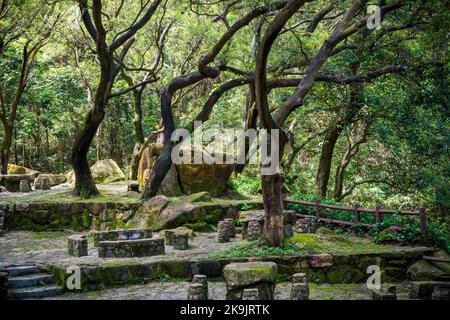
x=424 y=289
x=12 y=181
x=133 y=186
x=77 y=245
x=131 y=248
x=289 y=218
x=178 y=238
x=226 y=230
x=41 y=183
x=259 y=275
x=126 y=234
x=386 y=292
x=441 y=292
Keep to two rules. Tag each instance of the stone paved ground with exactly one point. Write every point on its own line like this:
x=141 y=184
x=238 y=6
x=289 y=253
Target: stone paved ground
x=178 y=291
x=21 y=247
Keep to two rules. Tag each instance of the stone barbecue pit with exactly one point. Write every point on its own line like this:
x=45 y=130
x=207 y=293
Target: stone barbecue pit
x=128 y=243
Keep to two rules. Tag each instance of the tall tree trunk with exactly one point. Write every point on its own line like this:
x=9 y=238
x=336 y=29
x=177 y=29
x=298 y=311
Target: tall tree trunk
x=273 y=205
x=6 y=147
x=163 y=163
x=326 y=157
x=250 y=119
x=84 y=182
x=272 y=184
x=138 y=132
x=354 y=105
x=352 y=150
x=339 y=182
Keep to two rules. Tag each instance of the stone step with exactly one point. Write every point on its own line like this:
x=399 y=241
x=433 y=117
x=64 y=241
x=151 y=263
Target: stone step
x=30 y=280
x=22 y=270
x=34 y=292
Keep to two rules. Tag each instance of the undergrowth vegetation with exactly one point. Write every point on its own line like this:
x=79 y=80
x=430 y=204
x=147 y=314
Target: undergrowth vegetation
x=406 y=229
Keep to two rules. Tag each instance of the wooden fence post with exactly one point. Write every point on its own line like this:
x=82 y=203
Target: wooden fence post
x=317 y=209
x=423 y=221
x=378 y=218
x=357 y=213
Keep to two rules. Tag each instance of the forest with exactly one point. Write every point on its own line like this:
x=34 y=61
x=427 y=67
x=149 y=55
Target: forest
x=258 y=149
x=360 y=96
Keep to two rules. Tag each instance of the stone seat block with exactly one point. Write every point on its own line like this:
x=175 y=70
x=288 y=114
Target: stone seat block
x=126 y=234
x=78 y=245
x=424 y=289
x=131 y=248
x=260 y=275
x=170 y=235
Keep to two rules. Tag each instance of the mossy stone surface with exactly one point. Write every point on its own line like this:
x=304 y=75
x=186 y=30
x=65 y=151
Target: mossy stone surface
x=238 y=275
x=428 y=271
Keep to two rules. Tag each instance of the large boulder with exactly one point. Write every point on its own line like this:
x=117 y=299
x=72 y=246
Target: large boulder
x=147 y=216
x=204 y=177
x=169 y=186
x=186 y=178
x=70 y=176
x=54 y=179
x=160 y=213
x=430 y=271
x=15 y=169
x=103 y=171
x=107 y=171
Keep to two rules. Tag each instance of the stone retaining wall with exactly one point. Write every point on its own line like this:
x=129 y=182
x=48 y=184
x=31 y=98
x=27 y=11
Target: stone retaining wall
x=333 y=269
x=79 y=216
x=66 y=215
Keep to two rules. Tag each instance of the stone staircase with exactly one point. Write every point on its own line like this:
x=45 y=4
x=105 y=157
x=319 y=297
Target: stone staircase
x=29 y=282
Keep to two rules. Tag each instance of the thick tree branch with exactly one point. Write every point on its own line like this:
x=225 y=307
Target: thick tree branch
x=206 y=59
x=86 y=17
x=131 y=88
x=342 y=31
x=138 y=25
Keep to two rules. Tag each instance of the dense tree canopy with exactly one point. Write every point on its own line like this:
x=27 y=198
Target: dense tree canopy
x=364 y=112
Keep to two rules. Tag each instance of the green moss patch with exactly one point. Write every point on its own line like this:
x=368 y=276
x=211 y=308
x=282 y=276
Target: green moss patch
x=306 y=243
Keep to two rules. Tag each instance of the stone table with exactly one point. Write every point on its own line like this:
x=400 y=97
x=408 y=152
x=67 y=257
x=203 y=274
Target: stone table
x=12 y=181
x=260 y=275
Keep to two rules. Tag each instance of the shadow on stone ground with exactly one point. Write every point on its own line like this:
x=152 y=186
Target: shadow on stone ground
x=178 y=291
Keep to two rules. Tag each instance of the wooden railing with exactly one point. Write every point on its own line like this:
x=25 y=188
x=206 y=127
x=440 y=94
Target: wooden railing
x=436 y=259
x=357 y=210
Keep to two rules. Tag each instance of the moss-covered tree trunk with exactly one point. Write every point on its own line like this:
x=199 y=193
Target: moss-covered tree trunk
x=84 y=182
x=6 y=147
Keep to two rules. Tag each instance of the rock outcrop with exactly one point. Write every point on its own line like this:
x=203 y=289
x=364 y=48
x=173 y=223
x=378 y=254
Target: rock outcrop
x=103 y=171
x=107 y=171
x=15 y=169
x=186 y=178
x=161 y=213
x=54 y=179
x=430 y=271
